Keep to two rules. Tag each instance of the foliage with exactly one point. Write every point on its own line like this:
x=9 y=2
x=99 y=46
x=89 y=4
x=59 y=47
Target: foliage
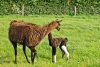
x=50 y=7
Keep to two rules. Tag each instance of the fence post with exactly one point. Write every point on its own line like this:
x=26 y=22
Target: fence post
x=75 y=10
x=23 y=7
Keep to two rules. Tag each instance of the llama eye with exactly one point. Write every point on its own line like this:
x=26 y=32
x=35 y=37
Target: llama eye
x=59 y=23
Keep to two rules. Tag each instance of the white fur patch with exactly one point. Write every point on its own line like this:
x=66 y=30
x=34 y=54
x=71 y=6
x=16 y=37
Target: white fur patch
x=65 y=50
x=54 y=58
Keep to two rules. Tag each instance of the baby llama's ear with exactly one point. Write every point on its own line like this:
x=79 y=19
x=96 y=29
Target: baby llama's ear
x=66 y=39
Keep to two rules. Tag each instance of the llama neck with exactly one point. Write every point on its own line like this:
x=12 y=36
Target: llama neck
x=48 y=28
x=50 y=38
x=45 y=30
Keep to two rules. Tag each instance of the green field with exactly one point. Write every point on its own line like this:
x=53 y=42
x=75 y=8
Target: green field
x=83 y=33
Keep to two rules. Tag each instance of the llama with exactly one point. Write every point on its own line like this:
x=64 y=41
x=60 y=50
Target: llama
x=54 y=43
x=30 y=35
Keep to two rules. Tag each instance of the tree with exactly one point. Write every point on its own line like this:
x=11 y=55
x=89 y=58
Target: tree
x=21 y=4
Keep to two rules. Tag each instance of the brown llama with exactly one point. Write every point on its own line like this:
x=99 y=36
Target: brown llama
x=30 y=35
x=54 y=43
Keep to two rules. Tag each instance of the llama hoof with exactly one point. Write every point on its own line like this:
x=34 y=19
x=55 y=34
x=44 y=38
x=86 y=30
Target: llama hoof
x=67 y=58
x=15 y=62
x=32 y=63
x=53 y=62
x=28 y=62
x=63 y=56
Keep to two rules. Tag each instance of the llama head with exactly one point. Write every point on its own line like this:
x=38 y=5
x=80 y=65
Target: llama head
x=58 y=26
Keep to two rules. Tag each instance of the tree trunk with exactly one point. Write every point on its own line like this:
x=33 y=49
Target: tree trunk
x=23 y=8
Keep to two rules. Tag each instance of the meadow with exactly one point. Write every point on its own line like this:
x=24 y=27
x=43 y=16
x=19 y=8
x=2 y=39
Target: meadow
x=83 y=33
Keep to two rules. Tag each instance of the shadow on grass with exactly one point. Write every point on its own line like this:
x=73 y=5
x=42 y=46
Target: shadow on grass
x=44 y=56
x=4 y=60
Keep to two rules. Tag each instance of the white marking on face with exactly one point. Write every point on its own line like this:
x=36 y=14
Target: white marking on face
x=54 y=58
x=65 y=50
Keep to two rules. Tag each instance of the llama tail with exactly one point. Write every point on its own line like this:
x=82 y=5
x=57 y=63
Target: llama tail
x=66 y=39
x=13 y=22
x=16 y=21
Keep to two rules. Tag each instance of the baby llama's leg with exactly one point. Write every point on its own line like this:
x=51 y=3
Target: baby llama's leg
x=65 y=50
x=63 y=53
x=54 y=54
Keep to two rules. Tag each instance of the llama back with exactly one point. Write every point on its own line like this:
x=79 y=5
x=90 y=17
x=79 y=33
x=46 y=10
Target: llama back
x=26 y=33
x=18 y=33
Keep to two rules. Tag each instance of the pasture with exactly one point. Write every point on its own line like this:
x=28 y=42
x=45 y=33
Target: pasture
x=83 y=33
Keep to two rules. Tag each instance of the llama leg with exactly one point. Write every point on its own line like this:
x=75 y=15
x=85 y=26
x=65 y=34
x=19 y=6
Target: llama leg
x=63 y=53
x=65 y=50
x=33 y=54
x=15 y=49
x=54 y=54
x=24 y=50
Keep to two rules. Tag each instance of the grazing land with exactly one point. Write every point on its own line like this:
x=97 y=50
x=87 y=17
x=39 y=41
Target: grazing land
x=83 y=33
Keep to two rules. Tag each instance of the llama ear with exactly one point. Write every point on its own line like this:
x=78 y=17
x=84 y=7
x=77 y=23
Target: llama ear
x=58 y=20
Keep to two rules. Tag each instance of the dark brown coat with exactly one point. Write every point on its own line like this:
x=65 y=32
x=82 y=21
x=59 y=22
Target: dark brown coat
x=54 y=43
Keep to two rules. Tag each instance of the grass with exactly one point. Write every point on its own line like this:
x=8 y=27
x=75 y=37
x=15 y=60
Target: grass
x=83 y=33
